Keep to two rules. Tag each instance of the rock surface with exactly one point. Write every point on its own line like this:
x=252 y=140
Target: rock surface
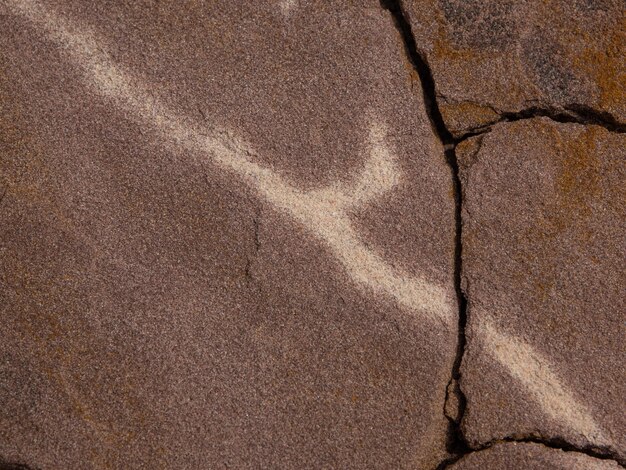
x=530 y=457
x=543 y=252
x=490 y=57
x=312 y=234
x=171 y=296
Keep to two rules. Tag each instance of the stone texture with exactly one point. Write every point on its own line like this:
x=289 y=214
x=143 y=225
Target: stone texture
x=492 y=56
x=158 y=312
x=543 y=253
x=530 y=457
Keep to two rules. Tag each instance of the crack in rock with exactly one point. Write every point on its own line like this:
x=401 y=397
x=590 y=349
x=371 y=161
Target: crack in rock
x=551 y=443
x=455 y=402
x=576 y=114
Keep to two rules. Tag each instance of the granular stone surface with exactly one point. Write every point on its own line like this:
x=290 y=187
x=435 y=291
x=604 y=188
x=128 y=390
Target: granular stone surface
x=543 y=252
x=311 y=234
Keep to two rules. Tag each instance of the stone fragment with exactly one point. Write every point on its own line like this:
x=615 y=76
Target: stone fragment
x=490 y=57
x=453 y=401
x=543 y=251
x=530 y=456
x=227 y=239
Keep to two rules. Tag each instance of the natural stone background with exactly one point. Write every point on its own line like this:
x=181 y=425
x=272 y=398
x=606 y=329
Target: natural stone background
x=312 y=234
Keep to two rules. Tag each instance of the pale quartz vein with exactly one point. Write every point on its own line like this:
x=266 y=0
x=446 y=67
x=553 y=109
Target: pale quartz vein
x=324 y=212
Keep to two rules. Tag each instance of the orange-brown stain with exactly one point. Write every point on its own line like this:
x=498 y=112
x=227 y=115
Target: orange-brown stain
x=577 y=183
x=605 y=62
x=467 y=114
x=44 y=305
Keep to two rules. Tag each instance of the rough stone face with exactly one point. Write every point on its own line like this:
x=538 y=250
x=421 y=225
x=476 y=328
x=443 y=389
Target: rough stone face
x=492 y=56
x=168 y=299
x=543 y=254
x=530 y=457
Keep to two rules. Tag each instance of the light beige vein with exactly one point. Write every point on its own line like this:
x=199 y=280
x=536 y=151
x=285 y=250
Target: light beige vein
x=324 y=212
x=533 y=370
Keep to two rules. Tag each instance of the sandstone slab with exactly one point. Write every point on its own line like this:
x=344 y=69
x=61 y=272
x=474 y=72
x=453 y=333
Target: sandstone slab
x=530 y=457
x=543 y=253
x=493 y=57
x=227 y=239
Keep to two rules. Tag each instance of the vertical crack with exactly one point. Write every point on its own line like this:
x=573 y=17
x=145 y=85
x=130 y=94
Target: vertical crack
x=250 y=278
x=454 y=406
x=255 y=221
x=455 y=401
x=422 y=69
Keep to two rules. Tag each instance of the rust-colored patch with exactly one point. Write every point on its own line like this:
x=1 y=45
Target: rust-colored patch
x=605 y=62
x=598 y=56
x=467 y=152
x=45 y=303
x=577 y=182
x=445 y=50
x=466 y=114
x=465 y=67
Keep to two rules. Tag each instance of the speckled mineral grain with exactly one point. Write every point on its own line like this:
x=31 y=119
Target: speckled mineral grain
x=238 y=234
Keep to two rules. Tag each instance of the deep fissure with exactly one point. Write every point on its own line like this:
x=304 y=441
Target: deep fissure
x=577 y=114
x=573 y=114
x=457 y=443
x=551 y=443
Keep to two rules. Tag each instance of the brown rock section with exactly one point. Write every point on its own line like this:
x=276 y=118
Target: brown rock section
x=490 y=57
x=543 y=253
x=529 y=456
x=157 y=312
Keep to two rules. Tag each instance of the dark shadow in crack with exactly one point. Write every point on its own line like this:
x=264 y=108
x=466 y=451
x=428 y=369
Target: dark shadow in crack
x=575 y=113
x=456 y=445
x=552 y=443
